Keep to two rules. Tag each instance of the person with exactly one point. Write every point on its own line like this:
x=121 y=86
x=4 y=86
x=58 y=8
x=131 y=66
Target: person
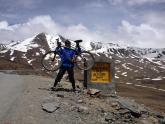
x=67 y=56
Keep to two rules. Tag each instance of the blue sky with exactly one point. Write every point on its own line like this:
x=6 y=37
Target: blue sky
x=132 y=22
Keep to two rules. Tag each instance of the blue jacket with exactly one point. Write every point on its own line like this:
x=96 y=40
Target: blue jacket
x=67 y=55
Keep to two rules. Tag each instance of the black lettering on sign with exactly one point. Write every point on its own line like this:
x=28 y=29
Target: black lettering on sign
x=101 y=72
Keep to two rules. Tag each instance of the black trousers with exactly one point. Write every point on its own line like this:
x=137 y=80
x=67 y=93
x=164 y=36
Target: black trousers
x=60 y=74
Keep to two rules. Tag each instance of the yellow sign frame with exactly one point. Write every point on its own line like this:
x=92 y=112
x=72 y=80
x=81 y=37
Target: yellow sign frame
x=101 y=73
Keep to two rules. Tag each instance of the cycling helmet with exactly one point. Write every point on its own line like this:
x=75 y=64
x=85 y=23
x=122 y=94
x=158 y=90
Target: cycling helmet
x=67 y=42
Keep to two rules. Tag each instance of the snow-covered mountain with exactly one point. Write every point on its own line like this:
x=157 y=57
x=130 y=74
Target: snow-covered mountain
x=130 y=63
x=28 y=51
x=125 y=51
x=48 y=42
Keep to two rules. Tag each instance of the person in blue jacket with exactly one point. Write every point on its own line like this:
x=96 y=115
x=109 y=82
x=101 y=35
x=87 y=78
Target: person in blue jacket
x=67 y=55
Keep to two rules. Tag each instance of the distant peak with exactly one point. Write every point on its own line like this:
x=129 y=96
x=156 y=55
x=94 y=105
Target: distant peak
x=41 y=35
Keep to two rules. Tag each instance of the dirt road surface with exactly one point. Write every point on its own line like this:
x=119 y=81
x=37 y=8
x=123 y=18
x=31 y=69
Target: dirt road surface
x=21 y=97
x=11 y=89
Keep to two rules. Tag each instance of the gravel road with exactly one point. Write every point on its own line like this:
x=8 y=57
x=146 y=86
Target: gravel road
x=22 y=98
x=11 y=90
x=18 y=97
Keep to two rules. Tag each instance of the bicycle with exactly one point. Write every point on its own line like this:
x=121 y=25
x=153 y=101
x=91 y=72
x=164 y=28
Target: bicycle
x=52 y=61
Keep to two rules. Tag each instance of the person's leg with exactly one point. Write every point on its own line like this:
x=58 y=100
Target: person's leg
x=71 y=77
x=59 y=76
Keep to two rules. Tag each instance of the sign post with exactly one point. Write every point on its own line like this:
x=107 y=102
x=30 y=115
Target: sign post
x=85 y=78
x=101 y=75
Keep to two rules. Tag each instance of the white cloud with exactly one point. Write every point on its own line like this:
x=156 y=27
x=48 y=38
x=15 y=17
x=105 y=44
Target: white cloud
x=80 y=32
x=43 y=24
x=3 y=24
x=155 y=19
x=28 y=29
x=143 y=35
x=147 y=34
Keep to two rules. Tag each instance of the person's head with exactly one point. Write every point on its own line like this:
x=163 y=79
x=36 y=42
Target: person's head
x=67 y=43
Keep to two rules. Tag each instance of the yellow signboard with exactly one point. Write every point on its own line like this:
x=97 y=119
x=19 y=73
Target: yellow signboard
x=100 y=73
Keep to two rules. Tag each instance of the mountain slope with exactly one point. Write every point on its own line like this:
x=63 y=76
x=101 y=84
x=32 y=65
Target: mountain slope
x=28 y=52
x=139 y=73
x=125 y=51
x=130 y=63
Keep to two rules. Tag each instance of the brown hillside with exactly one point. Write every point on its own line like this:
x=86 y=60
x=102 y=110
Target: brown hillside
x=9 y=65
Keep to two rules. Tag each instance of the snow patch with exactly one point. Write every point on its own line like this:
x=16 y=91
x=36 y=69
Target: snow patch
x=23 y=46
x=162 y=67
x=11 y=53
x=3 y=51
x=145 y=86
x=42 y=51
x=23 y=56
x=52 y=41
x=94 y=52
x=150 y=87
x=147 y=78
x=158 y=63
x=124 y=74
x=157 y=79
x=117 y=61
x=29 y=61
x=138 y=79
x=133 y=56
x=125 y=66
x=129 y=83
x=37 y=53
x=161 y=90
x=12 y=59
x=116 y=77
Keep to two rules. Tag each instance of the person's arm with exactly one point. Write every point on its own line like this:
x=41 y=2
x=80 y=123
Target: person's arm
x=73 y=56
x=77 y=50
x=58 y=49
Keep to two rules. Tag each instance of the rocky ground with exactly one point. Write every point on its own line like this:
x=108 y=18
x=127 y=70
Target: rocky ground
x=38 y=105
x=148 y=96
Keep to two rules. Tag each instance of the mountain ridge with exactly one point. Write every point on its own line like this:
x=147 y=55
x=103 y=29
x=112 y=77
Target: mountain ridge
x=98 y=47
x=137 y=62
x=138 y=71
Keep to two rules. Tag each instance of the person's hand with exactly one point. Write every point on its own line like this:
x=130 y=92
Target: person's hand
x=58 y=43
x=74 y=60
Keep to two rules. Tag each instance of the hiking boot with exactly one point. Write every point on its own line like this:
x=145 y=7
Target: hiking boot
x=73 y=90
x=53 y=88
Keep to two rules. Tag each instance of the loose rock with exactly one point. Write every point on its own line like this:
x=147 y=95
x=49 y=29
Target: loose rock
x=50 y=107
x=94 y=92
x=60 y=95
x=82 y=109
x=80 y=101
x=133 y=107
x=162 y=121
x=109 y=117
x=150 y=120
